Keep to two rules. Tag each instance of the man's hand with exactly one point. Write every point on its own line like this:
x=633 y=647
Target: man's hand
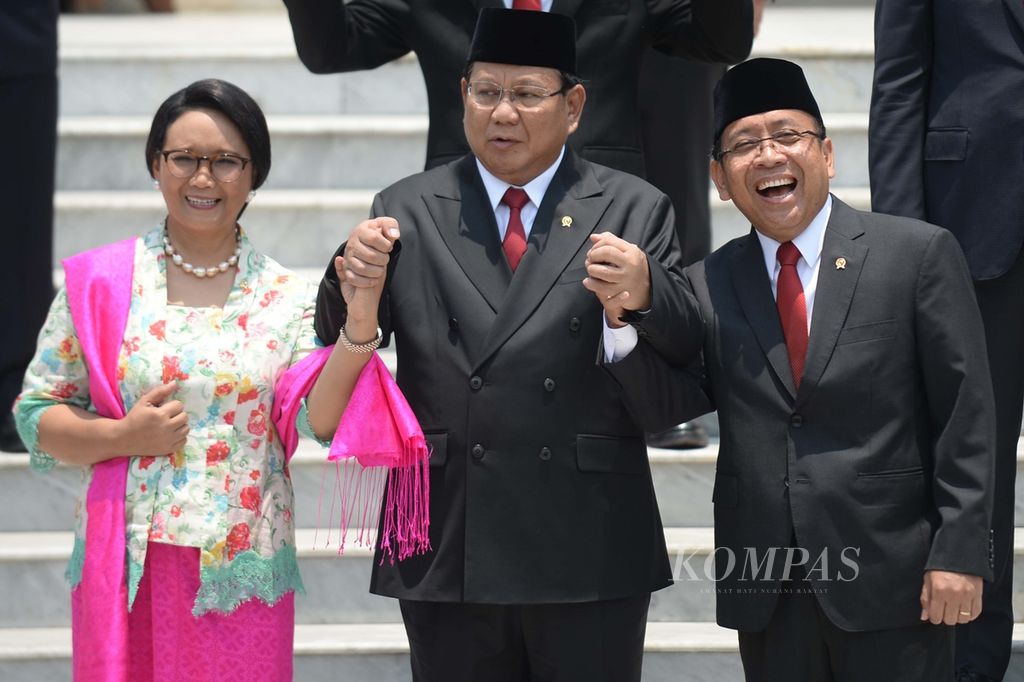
x=950 y=598
x=618 y=274
x=156 y=425
x=363 y=269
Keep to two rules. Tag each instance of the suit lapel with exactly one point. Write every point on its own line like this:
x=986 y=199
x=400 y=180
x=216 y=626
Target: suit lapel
x=566 y=7
x=575 y=192
x=836 y=286
x=464 y=219
x=754 y=291
x=1016 y=8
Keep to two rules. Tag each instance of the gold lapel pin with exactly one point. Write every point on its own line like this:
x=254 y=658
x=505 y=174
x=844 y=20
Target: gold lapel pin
x=567 y=221
x=840 y=263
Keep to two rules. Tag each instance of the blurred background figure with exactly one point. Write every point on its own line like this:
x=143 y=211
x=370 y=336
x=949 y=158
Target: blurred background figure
x=28 y=119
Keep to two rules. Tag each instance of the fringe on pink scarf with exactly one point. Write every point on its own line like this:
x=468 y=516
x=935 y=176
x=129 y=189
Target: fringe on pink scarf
x=379 y=453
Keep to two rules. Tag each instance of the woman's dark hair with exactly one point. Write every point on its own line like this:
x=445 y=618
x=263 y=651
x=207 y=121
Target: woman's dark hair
x=231 y=101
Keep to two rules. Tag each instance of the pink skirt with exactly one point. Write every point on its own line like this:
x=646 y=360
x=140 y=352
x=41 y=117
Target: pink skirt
x=169 y=644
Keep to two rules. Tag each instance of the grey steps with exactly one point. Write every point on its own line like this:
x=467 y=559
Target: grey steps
x=674 y=652
x=299 y=228
x=329 y=152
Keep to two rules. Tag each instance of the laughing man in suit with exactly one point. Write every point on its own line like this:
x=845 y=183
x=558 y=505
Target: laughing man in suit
x=546 y=536
x=845 y=355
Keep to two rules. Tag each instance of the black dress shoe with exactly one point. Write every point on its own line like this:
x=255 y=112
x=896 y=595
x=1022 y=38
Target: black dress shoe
x=10 y=441
x=691 y=434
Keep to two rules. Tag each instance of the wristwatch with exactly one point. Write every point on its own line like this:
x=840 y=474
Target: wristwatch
x=367 y=347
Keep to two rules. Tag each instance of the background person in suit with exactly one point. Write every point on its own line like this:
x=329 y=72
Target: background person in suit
x=545 y=531
x=844 y=353
x=28 y=116
x=945 y=146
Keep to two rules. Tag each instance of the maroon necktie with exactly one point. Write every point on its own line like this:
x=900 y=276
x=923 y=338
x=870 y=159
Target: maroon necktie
x=514 y=245
x=526 y=4
x=792 y=309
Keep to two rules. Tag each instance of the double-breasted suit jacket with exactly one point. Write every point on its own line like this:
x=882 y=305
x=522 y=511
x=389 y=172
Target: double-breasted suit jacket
x=883 y=457
x=333 y=36
x=540 y=486
x=946 y=116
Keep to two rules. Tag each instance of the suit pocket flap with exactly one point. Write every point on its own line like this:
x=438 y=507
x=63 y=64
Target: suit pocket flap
x=610 y=455
x=947 y=144
x=726 y=492
x=868 y=332
x=437 y=443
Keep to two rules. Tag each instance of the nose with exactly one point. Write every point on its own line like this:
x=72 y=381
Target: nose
x=769 y=154
x=203 y=177
x=504 y=110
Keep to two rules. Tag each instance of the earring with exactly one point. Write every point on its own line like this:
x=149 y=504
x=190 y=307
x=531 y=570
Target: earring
x=156 y=184
x=251 y=196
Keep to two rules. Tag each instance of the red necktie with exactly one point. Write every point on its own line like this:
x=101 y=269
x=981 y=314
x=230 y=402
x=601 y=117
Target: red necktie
x=514 y=245
x=526 y=4
x=792 y=309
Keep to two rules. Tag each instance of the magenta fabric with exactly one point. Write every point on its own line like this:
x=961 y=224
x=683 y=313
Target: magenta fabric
x=294 y=385
x=379 y=429
x=99 y=285
x=169 y=644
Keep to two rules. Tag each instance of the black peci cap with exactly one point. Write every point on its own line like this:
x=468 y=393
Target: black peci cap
x=525 y=38
x=761 y=85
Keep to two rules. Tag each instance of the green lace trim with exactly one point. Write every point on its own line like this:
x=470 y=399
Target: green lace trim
x=73 y=573
x=26 y=418
x=303 y=426
x=134 y=577
x=224 y=588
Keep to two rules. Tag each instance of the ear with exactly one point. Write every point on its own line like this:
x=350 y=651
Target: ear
x=154 y=166
x=718 y=177
x=830 y=156
x=464 y=90
x=575 y=99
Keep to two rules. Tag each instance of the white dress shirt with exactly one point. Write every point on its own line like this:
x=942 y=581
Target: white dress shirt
x=618 y=343
x=534 y=189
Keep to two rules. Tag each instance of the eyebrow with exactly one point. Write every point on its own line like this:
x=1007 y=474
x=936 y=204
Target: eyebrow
x=783 y=123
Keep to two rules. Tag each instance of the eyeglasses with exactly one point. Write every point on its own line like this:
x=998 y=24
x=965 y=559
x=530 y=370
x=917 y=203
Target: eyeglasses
x=780 y=140
x=487 y=94
x=184 y=163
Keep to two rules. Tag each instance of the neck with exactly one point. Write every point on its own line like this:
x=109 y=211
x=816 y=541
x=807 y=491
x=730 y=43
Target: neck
x=201 y=247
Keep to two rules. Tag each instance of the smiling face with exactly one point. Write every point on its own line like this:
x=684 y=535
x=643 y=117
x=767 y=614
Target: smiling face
x=779 y=189
x=200 y=202
x=518 y=145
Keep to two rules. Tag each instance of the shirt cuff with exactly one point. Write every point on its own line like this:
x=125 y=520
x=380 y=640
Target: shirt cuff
x=618 y=343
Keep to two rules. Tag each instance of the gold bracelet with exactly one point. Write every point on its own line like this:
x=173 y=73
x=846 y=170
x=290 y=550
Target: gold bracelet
x=367 y=347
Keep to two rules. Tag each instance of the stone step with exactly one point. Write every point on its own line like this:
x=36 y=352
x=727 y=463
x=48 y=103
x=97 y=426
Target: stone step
x=299 y=228
x=329 y=152
x=673 y=652
x=127 y=65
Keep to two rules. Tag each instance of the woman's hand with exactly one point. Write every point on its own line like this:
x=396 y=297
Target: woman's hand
x=362 y=271
x=156 y=425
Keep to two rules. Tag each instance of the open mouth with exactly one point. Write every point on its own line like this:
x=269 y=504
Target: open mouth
x=201 y=203
x=776 y=188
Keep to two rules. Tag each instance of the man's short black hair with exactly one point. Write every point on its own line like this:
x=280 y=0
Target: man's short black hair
x=228 y=99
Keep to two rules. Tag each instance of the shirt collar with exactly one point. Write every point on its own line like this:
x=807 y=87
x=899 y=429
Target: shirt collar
x=810 y=241
x=535 y=189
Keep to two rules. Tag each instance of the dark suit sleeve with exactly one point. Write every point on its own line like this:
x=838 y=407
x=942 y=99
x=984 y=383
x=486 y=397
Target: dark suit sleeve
x=331 y=311
x=899 y=105
x=702 y=30
x=951 y=352
x=332 y=36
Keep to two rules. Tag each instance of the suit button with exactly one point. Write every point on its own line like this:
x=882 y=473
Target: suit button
x=476 y=383
x=545 y=454
x=453 y=324
x=575 y=324
x=796 y=421
x=478 y=451
x=549 y=384
x=785 y=481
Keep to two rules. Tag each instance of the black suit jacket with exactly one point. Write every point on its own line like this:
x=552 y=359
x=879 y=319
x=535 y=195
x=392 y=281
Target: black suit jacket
x=28 y=37
x=946 y=121
x=540 y=486
x=363 y=34
x=888 y=445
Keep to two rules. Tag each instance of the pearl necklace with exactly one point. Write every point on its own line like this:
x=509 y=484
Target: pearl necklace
x=203 y=273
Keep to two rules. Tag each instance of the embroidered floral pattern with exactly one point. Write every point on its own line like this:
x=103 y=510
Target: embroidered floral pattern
x=227 y=491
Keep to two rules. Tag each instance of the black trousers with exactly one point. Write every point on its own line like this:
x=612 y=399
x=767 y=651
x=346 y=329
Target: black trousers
x=800 y=644
x=984 y=644
x=28 y=117
x=599 y=641
x=677 y=115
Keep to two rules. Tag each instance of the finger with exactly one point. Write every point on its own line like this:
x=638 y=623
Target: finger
x=172 y=408
x=610 y=240
x=372 y=254
x=605 y=253
x=388 y=227
x=361 y=267
x=159 y=394
x=964 y=614
x=361 y=282
x=370 y=235
x=977 y=605
x=339 y=267
x=925 y=599
x=951 y=612
x=605 y=273
x=178 y=421
x=603 y=289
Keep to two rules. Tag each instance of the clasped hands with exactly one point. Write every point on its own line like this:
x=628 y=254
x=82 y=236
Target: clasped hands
x=363 y=269
x=618 y=274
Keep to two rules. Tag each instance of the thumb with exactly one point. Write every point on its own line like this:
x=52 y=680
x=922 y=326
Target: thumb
x=159 y=394
x=389 y=228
